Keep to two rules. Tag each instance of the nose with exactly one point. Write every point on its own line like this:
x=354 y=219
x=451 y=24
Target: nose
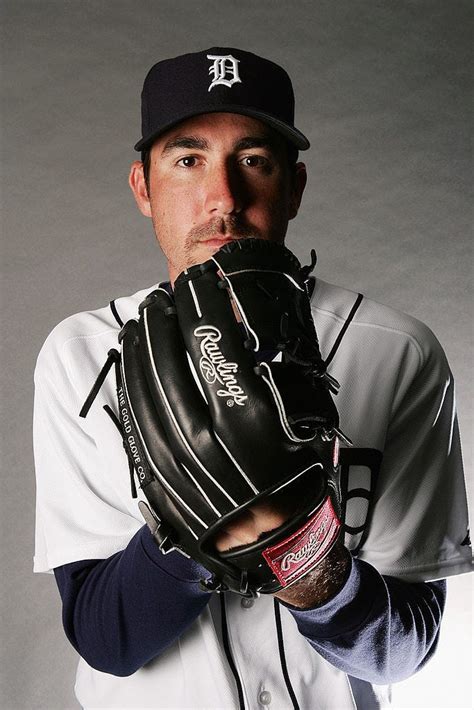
x=223 y=193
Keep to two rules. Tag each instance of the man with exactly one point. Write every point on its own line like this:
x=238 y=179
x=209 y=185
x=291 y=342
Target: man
x=219 y=163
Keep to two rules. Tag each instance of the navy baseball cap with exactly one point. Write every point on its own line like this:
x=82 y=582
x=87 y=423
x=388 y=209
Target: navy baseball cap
x=220 y=79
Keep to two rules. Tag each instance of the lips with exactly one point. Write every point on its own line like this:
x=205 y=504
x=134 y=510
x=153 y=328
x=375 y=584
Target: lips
x=218 y=241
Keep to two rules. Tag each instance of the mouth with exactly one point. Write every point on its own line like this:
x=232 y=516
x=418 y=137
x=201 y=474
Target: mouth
x=219 y=241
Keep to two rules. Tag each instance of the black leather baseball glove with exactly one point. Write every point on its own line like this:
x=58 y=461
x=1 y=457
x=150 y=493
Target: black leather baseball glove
x=224 y=403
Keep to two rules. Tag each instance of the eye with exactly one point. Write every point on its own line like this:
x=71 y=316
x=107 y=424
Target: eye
x=255 y=161
x=190 y=161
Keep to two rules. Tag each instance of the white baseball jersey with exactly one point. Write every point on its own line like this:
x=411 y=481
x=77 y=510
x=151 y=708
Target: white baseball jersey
x=403 y=485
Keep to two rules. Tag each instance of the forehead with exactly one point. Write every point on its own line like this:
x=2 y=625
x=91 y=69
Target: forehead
x=218 y=129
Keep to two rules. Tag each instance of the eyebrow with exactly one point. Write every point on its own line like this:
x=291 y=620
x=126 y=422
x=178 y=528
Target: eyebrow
x=264 y=141
x=189 y=142
x=197 y=143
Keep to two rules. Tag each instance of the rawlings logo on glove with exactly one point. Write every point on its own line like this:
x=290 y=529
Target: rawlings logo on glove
x=214 y=366
x=292 y=558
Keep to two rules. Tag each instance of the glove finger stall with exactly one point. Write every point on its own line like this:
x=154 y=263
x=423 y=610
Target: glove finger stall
x=152 y=437
x=240 y=403
x=184 y=412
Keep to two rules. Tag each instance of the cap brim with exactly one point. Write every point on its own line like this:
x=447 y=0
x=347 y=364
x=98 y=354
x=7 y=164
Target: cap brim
x=293 y=135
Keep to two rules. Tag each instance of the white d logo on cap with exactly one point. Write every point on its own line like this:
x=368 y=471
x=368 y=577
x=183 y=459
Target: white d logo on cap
x=224 y=71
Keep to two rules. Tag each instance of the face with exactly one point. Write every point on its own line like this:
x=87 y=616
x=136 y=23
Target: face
x=215 y=178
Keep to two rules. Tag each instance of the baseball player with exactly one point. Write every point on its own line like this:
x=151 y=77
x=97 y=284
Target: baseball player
x=220 y=164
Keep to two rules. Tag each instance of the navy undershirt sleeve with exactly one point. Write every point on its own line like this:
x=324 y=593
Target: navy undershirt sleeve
x=121 y=612
x=376 y=628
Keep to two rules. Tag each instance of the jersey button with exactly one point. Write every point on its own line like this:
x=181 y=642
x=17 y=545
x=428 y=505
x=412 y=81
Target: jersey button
x=265 y=697
x=247 y=602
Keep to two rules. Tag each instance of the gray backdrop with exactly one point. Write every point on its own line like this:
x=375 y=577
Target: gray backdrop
x=382 y=92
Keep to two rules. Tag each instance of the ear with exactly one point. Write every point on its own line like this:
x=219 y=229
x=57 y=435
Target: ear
x=297 y=189
x=137 y=183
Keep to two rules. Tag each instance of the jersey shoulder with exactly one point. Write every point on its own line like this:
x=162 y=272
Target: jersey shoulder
x=86 y=335
x=372 y=322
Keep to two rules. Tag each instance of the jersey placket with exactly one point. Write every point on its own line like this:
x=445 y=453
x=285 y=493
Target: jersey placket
x=253 y=643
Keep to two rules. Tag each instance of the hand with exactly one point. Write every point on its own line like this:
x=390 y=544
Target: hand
x=316 y=587
x=260 y=518
x=248 y=527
